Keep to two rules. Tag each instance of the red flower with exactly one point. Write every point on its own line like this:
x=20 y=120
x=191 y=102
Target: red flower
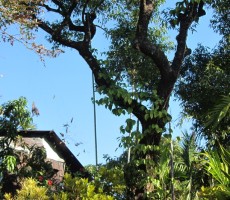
x=49 y=182
x=40 y=178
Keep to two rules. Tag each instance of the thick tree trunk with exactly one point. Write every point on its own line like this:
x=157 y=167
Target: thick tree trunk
x=137 y=175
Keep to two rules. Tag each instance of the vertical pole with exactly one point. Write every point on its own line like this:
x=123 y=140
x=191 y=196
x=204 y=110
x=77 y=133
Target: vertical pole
x=129 y=149
x=172 y=165
x=172 y=172
x=95 y=120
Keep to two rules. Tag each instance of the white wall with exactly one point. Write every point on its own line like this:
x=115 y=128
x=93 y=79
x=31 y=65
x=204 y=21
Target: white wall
x=50 y=153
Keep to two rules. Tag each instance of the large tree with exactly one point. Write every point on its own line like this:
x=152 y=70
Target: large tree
x=207 y=73
x=72 y=23
x=205 y=80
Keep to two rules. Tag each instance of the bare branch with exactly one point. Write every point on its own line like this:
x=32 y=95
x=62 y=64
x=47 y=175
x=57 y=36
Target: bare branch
x=83 y=11
x=73 y=6
x=58 y=3
x=48 y=8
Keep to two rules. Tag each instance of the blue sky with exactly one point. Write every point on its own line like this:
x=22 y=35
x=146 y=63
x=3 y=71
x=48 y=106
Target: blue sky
x=62 y=90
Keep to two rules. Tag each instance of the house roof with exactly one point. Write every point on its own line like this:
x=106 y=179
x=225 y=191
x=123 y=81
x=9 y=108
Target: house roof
x=58 y=146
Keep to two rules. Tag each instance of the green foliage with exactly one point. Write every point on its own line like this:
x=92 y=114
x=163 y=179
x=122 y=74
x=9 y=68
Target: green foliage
x=191 y=159
x=189 y=148
x=104 y=182
x=123 y=62
x=135 y=76
x=15 y=116
x=181 y=9
x=34 y=164
x=179 y=167
x=80 y=188
x=30 y=191
x=110 y=179
x=220 y=21
x=219 y=112
x=10 y=163
x=17 y=165
x=218 y=160
x=215 y=192
x=205 y=73
x=161 y=179
x=217 y=165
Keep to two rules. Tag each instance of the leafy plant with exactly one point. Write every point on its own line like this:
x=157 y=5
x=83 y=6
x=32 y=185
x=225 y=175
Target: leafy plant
x=109 y=179
x=28 y=162
x=80 y=188
x=30 y=191
x=217 y=165
x=220 y=111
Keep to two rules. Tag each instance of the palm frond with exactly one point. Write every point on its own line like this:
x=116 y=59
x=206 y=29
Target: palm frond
x=218 y=165
x=220 y=111
x=189 y=149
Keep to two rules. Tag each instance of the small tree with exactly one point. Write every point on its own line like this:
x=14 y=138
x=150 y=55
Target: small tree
x=16 y=165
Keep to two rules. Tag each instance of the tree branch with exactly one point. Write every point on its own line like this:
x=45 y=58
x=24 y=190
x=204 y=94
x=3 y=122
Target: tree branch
x=181 y=46
x=142 y=42
x=48 y=8
x=56 y=36
x=66 y=21
x=58 y=3
x=192 y=13
x=139 y=110
x=97 y=70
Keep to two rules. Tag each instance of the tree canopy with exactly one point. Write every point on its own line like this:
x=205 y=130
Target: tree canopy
x=204 y=81
x=205 y=73
x=135 y=75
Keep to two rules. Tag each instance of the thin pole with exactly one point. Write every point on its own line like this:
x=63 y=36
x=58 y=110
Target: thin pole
x=95 y=120
x=172 y=166
x=129 y=149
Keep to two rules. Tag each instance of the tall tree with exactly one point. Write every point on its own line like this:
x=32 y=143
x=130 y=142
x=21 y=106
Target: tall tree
x=220 y=21
x=206 y=72
x=74 y=26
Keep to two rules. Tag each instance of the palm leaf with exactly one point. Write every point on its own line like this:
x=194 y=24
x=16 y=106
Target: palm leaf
x=218 y=165
x=219 y=112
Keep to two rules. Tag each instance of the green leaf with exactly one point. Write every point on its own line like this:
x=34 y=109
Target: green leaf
x=130 y=110
x=10 y=162
x=146 y=116
x=130 y=101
